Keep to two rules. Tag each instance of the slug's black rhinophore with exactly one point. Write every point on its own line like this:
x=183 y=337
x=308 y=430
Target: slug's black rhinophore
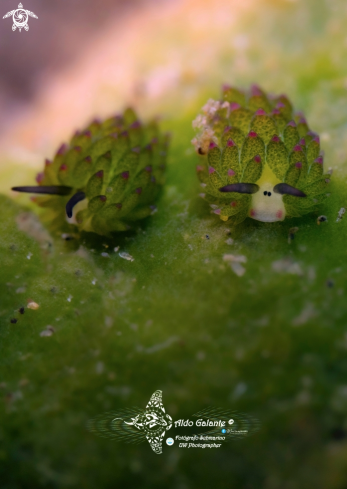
x=241 y=188
x=73 y=201
x=284 y=188
x=48 y=190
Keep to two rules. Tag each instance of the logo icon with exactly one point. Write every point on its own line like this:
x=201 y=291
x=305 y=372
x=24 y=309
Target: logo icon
x=20 y=18
x=231 y=421
x=136 y=425
x=170 y=441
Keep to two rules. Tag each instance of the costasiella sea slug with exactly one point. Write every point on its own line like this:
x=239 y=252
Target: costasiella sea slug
x=258 y=158
x=106 y=178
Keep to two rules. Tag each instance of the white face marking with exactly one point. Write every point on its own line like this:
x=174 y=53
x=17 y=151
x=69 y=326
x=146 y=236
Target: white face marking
x=265 y=207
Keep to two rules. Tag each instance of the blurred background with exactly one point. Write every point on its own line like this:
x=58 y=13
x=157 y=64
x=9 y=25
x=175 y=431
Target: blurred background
x=60 y=37
x=272 y=343
x=77 y=61
x=82 y=59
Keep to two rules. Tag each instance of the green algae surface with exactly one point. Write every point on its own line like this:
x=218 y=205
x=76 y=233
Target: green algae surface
x=250 y=318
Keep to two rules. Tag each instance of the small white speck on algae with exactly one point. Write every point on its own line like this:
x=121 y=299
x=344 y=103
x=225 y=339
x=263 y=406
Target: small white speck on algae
x=303 y=398
x=69 y=298
x=99 y=367
x=49 y=331
x=235 y=258
x=116 y=249
x=200 y=355
x=340 y=214
x=158 y=346
x=105 y=255
x=287 y=265
x=94 y=281
x=306 y=381
x=311 y=273
x=126 y=256
x=306 y=314
x=29 y=255
x=229 y=241
x=238 y=269
x=239 y=390
x=33 y=305
x=25 y=356
x=108 y=321
x=235 y=263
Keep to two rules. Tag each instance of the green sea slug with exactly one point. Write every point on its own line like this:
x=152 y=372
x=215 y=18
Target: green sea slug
x=105 y=178
x=258 y=159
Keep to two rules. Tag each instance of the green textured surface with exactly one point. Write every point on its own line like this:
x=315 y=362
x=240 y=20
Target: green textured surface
x=271 y=342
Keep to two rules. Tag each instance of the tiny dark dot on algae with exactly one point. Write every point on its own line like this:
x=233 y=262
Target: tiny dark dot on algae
x=330 y=283
x=13 y=320
x=338 y=433
x=21 y=310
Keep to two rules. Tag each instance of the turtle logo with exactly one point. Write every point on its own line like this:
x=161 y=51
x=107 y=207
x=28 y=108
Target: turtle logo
x=135 y=425
x=20 y=18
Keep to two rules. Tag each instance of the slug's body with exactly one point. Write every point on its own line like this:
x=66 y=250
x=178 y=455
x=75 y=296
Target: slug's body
x=258 y=160
x=107 y=177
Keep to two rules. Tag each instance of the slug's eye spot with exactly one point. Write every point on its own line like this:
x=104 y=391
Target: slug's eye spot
x=269 y=193
x=284 y=188
x=265 y=193
x=241 y=188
